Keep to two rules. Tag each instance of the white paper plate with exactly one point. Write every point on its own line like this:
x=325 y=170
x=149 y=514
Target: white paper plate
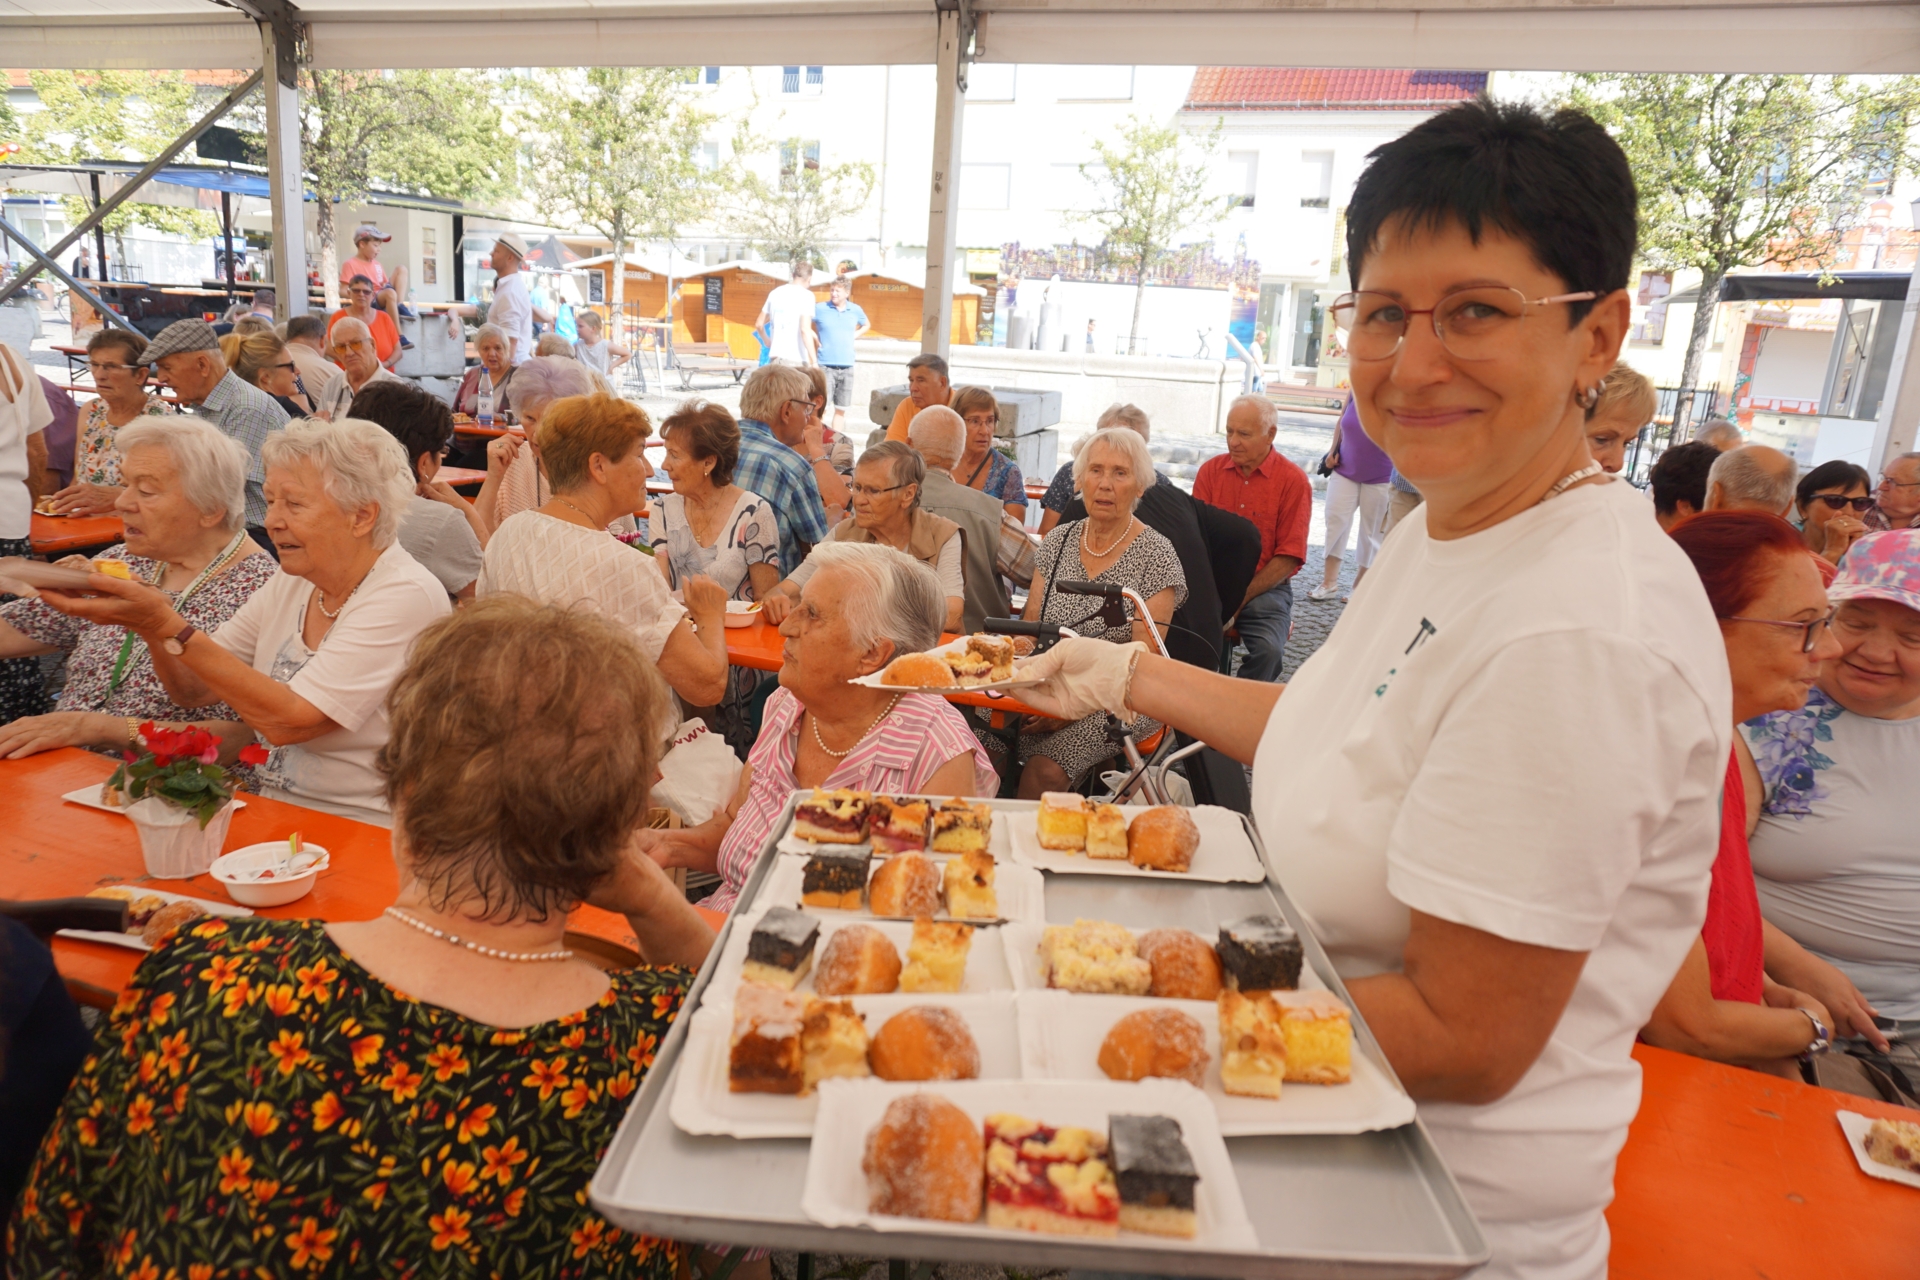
x=703 y=1104
x=1225 y=854
x=835 y=1194
x=90 y=797
x=1020 y=890
x=133 y=941
x=1855 y=1126
x=999 y=841
x=986 y=958
x=956 y=645
x=1060 y=1038
x=1022 y=941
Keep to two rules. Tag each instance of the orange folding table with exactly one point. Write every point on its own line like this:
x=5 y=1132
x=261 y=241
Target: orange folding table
x=59 y=535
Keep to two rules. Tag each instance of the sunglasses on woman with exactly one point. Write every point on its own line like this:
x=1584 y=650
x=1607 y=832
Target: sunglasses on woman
x=1835 y=502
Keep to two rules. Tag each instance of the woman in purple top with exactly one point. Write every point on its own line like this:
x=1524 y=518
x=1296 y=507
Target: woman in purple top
x=1358 y=484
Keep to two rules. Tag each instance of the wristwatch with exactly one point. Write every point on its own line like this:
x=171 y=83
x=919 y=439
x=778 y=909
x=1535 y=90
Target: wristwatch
x=176 y=644
x=1822 y=1038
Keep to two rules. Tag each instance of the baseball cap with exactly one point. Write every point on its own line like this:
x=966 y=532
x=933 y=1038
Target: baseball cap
x=512 y=242
x=1881 y=566
x=181 y=336
x=367 y=231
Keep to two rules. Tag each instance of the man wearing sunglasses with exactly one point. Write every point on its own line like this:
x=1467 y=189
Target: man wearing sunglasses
x=1897 y=500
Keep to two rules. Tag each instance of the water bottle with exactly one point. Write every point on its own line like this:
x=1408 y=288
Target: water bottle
x=485 y=405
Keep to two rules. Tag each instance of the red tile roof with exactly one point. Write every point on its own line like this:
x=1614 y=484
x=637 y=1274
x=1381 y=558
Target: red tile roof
x=1318 y=89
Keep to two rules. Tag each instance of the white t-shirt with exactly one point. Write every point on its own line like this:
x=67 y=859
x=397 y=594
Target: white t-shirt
x=512 y=310
x=24 y=411
x=790 y=315
x=347 y=677
x=554 y=562
x=594 y=355
x=1524 y=731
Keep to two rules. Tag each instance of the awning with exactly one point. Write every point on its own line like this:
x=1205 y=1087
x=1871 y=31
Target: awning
x=1760 y=286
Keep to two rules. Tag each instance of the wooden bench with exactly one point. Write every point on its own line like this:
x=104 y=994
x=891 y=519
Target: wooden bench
x=1299 y=399
x=690 y=358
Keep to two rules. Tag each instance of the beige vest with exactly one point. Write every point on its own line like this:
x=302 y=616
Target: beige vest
x=929 y=534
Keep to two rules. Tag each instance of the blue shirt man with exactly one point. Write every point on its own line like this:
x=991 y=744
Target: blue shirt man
x=781 y=476
x=838 y=323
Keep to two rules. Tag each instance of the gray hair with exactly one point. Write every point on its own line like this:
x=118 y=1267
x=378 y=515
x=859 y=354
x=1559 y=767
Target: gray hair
x=1122 y=440
x=1899 y=457
x=896 y=597
x=1754 y=477
x=363 y=465
x=939 y=434
x=213 y=466
x=768 y=389
x=544 y=379
x=903 y=464
x=340 y=325
x=494 y=331
x=552 y=344
x=1269 y=415
x=1125 y=415
x=1721 y=433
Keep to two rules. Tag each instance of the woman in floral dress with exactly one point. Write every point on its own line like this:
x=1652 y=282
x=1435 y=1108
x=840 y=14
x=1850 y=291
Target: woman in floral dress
x=113 y=357
x=284 y=1097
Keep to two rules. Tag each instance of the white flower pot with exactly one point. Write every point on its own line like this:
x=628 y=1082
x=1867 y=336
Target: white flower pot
x=176 y=846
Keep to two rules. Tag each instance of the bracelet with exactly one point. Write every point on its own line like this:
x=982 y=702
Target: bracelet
x=133 y=733
x=1822 y=1038
x=1126 y=696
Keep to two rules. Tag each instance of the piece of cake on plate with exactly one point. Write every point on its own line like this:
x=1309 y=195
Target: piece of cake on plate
x=1055 y=1180
x=780 y=948
x=833 y=1042
x=997 y=651
x=961 y=827
x=1260 y=953
x=835 y=877
x=1318 y=1030
x=1062 y=821
x=937 y=956
x=1107 y=832
x=1253 y=1047
x=968 y=880
x=833 y=817
x=898 y=825
x=765 y=1052
x=1155 y=1175
x=1895 y=1143
x=1094 y=957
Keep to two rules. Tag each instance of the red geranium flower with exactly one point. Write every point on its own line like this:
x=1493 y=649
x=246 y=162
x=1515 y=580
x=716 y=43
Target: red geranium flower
x=253 y=753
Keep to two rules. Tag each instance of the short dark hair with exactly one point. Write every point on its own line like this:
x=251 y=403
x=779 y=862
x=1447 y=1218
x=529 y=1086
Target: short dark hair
x=711 y=433
x=134 y=344
x=1680 y=475
x=1558 y=184
x=305 y=326
x=417 y=419
x=1836 y=474
x=928 y=360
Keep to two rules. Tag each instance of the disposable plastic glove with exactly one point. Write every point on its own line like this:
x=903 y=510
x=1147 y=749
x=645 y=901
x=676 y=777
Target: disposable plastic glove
x=1082 y=677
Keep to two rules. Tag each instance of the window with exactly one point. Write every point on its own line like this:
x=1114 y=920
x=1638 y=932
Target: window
x=1316 y=179
x=1243 y=170
x=816 y=79
x=710 y=75
x=795 y=156
x=986 y=186
x=707 y=156
x=1092 y=84
x=1655 y=287
x=990 y=82
x=789 y=79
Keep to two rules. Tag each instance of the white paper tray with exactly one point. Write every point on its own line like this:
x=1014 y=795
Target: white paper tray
x=90 y=797
x=133 y=941
x=702 y=1103
x=836 y=1190
x=1225 y=854
x=956 y=645
x=1060 y=1038
x=1855 y=1126
x=1021 y=890
x=998 y=841
x=1022 y=941
x=986 y=958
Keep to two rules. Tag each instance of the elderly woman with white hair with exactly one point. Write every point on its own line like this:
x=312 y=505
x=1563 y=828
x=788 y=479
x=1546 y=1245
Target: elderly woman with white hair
x=184 y=503
x=1112 y=546
x=864 y=605
x=514 y=481
x=307 y=662
x=491 y=345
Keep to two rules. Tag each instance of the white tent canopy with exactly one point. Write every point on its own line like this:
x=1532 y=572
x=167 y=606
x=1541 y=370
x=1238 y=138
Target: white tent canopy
x=1544 y=35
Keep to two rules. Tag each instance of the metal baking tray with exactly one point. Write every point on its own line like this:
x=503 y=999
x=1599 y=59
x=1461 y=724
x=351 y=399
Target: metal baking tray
x=1351 y=1206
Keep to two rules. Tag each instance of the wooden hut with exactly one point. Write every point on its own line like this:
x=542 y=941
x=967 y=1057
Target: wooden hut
x=894 y=305
x=720 y=304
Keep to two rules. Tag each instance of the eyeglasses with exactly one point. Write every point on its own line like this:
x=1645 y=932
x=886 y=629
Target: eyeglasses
x=1887 y=483
x=350 y=344
x=982 y=420
x=288 y=365
x=1472 y=324
x=1812 y=629
x=804 y=404
x=1835 y=502
x=865 y=491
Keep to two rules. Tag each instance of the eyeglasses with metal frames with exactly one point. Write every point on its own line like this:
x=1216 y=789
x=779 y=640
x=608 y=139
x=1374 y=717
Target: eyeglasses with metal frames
x=1472 y=324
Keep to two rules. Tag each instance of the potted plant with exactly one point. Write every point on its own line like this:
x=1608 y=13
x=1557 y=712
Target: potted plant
x=181 y=799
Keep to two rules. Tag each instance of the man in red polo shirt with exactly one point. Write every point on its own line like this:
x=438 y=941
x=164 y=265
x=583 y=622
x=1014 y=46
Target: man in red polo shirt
x=1253 y=480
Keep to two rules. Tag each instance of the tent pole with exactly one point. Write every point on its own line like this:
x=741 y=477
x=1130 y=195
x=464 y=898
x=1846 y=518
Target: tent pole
x=949 y=110
x=99 y=232
x=114 y=201
x=1900 y=406
x=107 y=314
x=226 y=236
x=285 y=188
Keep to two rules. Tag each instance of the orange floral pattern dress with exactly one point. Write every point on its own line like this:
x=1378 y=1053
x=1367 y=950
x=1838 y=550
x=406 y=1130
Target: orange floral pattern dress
x=258 y=1104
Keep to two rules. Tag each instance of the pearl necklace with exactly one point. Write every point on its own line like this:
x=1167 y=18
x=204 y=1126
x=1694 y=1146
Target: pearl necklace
x=1101 y=555
x=477 y=948
x=842 y=755
x=320 y=598
x=1572 y=478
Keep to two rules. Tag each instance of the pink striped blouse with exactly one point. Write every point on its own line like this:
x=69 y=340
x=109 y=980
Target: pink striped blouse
x=897 y=756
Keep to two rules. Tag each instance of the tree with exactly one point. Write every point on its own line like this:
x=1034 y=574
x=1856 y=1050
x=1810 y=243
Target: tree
x=419 y=131
x=792 y=217
x=1749 y=170
x=1152 y=185
x=616 y=148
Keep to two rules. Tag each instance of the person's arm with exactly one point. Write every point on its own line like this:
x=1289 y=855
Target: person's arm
x=765 y=578
x=617 y=355
x=697 y=848
x=501 y=452
x=1793 y=966
x=40 y=481
x=777 y=601
x=1272 y=574
x=1160 y=609
x=31 y=735
x=664 y=923
x=954 y=778
x=13 y=644
x=1767 y=1036
x=440 y=491
x=833 y=488
x=694 y=662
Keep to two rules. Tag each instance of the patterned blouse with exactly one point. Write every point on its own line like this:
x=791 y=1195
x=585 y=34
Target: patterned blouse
x=751 y=537
x=95 y=460
x=898 y=756
x=93 y=651
x=258 y=1104
x=1003 y=479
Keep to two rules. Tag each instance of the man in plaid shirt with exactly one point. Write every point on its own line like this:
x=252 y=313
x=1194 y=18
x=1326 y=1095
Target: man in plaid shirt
x=774 y=411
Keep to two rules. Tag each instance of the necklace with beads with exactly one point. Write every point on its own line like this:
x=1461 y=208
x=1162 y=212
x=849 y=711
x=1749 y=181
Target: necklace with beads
x=1571 y=479
x=1087 y=546
x=842 y=755
x=320 y=598
x=476 y=947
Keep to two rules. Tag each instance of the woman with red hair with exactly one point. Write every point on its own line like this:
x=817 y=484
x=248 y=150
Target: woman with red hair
x=1774 y=618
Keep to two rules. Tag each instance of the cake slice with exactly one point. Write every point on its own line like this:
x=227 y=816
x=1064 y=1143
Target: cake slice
x=898 y=825
x=1094 y=957
x=780 y=948
x=1154 y=1173
x=765 y=1054
x=833 y=1043
x=1053 y=1180
x=1253 y=1048
x=1062 y=821
x=833 y=817
x=969 y=668
x=1107 y=832
x=1895 y=1143
x=835 y=877
x=968 y=880
x=997 y=651
x=1318 y=1031
x=937 y=956
x=1260 y=953
x=961 y=827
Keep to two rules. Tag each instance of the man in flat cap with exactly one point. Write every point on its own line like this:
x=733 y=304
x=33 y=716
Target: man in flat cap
x=187 y=355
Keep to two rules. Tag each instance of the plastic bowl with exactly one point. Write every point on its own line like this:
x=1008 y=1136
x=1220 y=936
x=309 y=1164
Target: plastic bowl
x=230 y=870
x=742 y=613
